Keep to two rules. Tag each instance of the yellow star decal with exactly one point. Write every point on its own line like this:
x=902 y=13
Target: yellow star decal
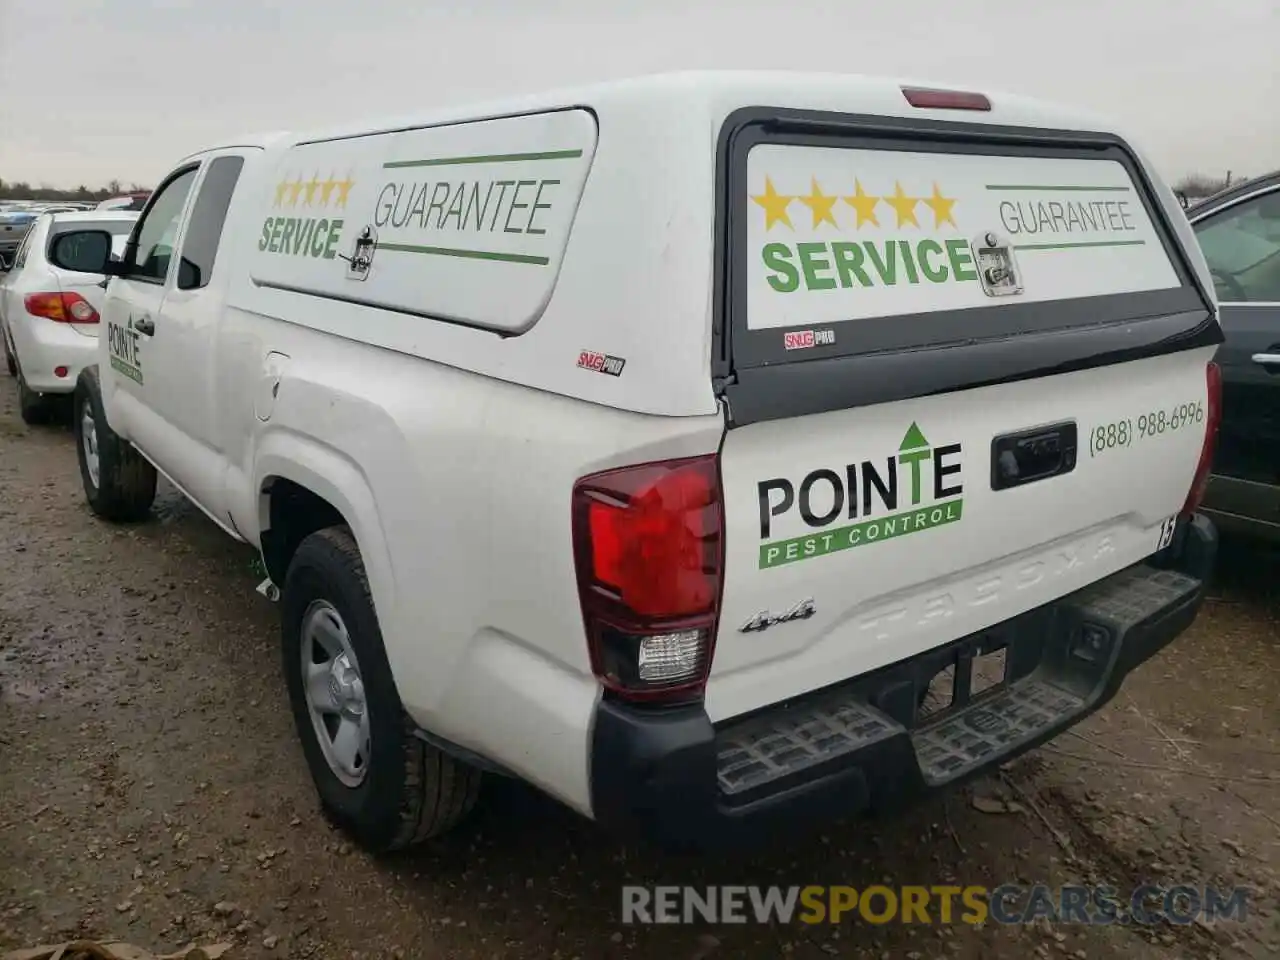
x=941 y=207
x=295 y=189
x=344 y=190
x=864 y=204
x=312 y=186
x=281 y=189
x=326 y=190
x=774 y=204
x=903 y=206
x=820 y=204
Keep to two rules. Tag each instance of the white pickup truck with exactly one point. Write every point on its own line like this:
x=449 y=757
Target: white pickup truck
x=665 y=443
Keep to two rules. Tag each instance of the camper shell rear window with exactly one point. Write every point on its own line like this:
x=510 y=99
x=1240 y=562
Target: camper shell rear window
x=859 y=237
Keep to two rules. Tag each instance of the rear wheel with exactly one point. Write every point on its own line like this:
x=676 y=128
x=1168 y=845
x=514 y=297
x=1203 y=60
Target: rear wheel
x=375 y=778
x=119 y=483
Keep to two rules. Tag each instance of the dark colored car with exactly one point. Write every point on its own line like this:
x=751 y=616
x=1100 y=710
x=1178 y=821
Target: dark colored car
x=1239 y=232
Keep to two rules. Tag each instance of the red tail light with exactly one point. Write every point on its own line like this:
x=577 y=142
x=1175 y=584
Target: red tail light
x=1212 y=420
x=649 y=549
x=927 y=99
x=62 y=307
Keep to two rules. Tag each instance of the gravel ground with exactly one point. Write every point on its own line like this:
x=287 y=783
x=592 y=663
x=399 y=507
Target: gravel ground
x=151 y=788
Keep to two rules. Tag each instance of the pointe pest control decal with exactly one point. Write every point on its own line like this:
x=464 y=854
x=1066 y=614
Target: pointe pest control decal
x=837 y=235
x=124 y=347
x=861 y=503
x=601 y=363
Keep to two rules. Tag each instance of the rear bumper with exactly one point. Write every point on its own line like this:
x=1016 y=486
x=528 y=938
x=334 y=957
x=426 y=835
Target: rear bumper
x=858 y=748
x=41 y=346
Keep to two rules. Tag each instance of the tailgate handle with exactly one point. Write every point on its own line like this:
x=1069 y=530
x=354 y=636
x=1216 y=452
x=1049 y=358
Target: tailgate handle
x=1031 y=455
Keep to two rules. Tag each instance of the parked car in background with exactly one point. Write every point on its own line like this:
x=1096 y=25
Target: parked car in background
x=13 y=227
x=132 y=201
x=49 y=316
x=1239 y=232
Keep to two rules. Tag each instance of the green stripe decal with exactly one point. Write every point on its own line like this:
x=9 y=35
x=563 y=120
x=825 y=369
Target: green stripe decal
x=1079 y=244
x=484 y=158
x=939 y=514
x=1046 y=187
x=465 y=254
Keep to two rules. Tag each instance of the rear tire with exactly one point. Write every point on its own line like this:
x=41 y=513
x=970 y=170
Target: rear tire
x=32 y=407
x=402 y=790
x=119 y=483
x=9 y=362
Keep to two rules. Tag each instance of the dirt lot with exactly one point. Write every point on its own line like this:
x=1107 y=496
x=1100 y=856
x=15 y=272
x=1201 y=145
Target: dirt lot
x=151 y=788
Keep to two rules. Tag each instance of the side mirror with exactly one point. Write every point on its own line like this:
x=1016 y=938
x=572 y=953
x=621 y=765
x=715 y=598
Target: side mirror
x=82 y=251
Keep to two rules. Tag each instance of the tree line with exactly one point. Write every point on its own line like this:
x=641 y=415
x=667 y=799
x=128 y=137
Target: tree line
x=21 y=190
x=1201 y=185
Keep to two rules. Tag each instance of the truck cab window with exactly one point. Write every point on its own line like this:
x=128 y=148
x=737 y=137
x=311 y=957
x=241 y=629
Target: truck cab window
x=159 y=229
x=200 y=247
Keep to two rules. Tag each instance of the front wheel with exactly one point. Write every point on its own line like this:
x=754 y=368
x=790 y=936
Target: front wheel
x=119 y=483
x=376 y=779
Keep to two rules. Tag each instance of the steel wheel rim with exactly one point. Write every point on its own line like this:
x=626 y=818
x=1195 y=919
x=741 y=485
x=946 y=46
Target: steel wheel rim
x=334 y=691
x=89 y=442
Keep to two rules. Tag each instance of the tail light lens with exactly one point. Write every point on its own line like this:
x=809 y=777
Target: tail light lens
x=62 y=307
x=1212 y=420
x=649 y=550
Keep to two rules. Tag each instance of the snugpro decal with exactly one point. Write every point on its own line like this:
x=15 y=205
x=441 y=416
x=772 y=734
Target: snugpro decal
x=916 y=489
x=123 y=349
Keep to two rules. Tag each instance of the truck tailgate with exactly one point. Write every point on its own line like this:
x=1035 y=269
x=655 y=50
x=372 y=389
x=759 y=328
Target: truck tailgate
x=966 y=380
x=880 y=528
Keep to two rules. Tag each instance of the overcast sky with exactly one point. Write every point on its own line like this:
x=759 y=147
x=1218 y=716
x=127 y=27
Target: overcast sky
x=97 y=89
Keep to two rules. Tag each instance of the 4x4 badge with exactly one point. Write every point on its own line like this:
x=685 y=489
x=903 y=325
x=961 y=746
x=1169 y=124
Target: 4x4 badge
x=764 y=619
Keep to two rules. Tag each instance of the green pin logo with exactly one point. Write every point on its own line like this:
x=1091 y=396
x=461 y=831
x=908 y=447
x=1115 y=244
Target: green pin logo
x=914 y=450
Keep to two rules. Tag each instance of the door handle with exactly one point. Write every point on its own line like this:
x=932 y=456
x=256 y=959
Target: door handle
x=1018 y=458
x=1267 y=358
x=144 y=326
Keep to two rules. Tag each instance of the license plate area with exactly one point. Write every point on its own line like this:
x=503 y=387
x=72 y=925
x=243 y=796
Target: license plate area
x=978 y=668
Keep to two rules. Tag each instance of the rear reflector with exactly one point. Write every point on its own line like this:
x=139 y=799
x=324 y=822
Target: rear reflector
x=1212 y=420
x=61 y=307
x=649 y=557
x=927 y=99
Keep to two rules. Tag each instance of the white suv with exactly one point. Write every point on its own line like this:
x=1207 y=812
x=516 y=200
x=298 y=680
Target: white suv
x=49 y=316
